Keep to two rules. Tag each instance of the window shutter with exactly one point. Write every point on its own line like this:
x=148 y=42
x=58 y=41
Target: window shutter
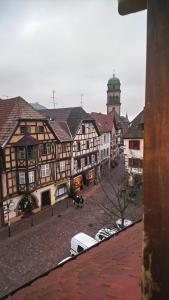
x=130 y=144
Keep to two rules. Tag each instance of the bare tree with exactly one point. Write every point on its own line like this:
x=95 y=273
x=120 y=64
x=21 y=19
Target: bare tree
x=118 y=198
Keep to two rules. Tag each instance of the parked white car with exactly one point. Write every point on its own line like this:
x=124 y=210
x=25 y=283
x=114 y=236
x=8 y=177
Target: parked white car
x=104 y=233
x=126 y=223
x=81 y=242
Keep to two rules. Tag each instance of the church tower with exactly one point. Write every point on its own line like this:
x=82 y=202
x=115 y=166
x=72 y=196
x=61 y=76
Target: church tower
x=113 y=95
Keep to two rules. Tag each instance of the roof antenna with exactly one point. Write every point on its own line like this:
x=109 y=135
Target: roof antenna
x=81 y=99
x=114 y=71
x=53 y=99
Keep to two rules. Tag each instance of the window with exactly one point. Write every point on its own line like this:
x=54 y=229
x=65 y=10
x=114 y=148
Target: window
x=80 y=249
x=94 y=142
x=104 y=138
x=64 y=148
x=83 y=128
x=45 y=149
x=41 y=129
x=87 y=144
x=78 y=146
x=23 y=129
x=62 y=165
x=134 y=144
x=45 y=170
x=21 y=153
x=135 y=163
x=61 y=190
x=78 y=163
x=31 y=176
x=86 y=161
x=21 y=177
x=82 y=162
x=93 y=158
x=30 y=152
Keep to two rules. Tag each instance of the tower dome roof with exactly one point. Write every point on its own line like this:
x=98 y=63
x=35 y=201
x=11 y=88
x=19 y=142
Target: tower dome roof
x=113 y=80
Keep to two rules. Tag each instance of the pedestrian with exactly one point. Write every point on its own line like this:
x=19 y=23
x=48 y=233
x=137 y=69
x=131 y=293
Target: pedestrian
x=81 y=202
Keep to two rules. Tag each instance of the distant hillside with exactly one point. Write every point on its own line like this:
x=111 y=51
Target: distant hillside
x=38 y=106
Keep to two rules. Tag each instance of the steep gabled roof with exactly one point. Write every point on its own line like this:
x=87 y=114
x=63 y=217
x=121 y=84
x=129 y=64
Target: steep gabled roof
x=136 y=129
x=61 y=130
x=11 y=110
x=120 y=122
x=73 y=116
x=104 y=122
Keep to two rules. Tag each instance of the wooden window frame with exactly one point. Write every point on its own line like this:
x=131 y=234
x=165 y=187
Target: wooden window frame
x=134 y=144
x=22 y=179
x=45 y=170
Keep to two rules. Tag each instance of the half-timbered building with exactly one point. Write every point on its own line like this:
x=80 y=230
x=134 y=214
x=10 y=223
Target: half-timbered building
x=107 y=140
x=85 y=145
x=35 y=163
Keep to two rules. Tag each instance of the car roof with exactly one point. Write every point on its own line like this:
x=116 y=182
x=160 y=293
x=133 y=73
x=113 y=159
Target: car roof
x=85 y=239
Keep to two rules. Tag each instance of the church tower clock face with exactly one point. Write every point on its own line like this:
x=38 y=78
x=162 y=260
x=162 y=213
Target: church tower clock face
x=113 y=95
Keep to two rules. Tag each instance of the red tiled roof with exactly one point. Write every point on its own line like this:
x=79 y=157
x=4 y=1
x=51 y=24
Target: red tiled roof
x=110 y=270
x=10 y=111
x=104 y=122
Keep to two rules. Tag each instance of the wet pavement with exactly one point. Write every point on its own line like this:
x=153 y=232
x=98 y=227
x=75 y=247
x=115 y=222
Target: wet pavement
x=33 y=250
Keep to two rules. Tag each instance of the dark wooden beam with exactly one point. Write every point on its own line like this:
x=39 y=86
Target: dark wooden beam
x=131 y=6
x=156 y=154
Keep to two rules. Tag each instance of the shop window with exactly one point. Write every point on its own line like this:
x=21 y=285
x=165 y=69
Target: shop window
x=21 y=177
x=31 y=176
x=61 y=190
x=135 y=163
x=45 y=170
x=134 y=144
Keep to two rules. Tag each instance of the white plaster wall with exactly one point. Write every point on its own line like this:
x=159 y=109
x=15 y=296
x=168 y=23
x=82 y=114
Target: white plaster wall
x=130 y=153
x=104 y=146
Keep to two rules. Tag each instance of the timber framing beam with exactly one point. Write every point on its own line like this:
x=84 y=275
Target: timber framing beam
x=131 y=6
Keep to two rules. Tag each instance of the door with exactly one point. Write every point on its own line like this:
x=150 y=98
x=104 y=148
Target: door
x=45 y=198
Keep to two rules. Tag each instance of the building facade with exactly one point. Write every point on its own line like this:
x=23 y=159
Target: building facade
x=85 y=143
x=35 y=166
x=134 y=145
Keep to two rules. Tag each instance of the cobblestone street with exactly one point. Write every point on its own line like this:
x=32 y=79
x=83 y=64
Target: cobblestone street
x=31 y=251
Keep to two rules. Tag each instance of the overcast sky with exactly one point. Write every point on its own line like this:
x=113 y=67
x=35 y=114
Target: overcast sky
x=72 y=47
